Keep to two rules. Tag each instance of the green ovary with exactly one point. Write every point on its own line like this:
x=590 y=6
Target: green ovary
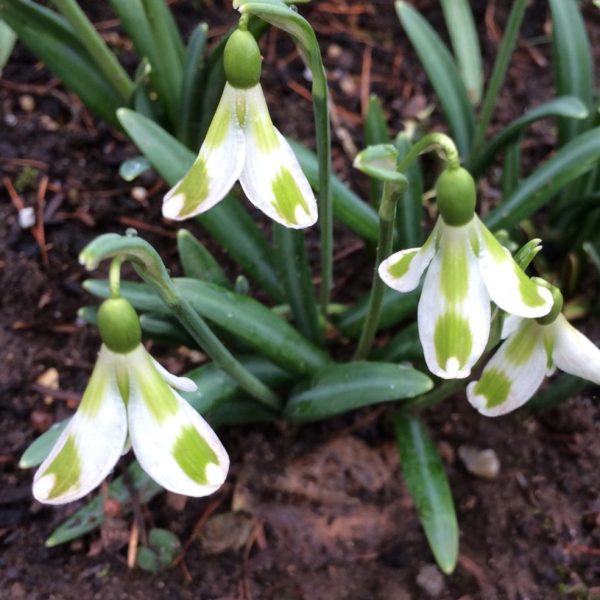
x=288 y=196
x=494 y=386
x=192 y=453
x=66 y=468
x=452 y=339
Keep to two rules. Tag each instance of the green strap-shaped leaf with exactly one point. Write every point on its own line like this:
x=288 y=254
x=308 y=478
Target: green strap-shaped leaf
x=568 y=107
x=577 y=157
x=572 y=59
x=463 y=35
x=295 y=273
x=192 y=90
x=443 y=75
x=228 y=223
x=342 y=388
x=53 y=41
x=428 y=486
x=511 y=171
x=348 y=208
x=409 y=212
x=197 y=262
x=395 y=308
x=7 y=41
x=245 y=317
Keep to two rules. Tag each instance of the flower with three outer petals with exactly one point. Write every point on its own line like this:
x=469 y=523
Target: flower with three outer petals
x=466 y=268
x=242 y=143
x=532 y=349
x=130 y=393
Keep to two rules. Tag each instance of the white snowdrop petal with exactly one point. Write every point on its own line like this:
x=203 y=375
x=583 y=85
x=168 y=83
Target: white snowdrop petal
x=513 y=374
x=172 y=442
x=219 y=162
x=573 y=352
x=454 y=309
x=91 y=444
x=272 y=178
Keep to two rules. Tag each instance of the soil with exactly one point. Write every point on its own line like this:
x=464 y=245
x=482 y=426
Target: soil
x=314 y=512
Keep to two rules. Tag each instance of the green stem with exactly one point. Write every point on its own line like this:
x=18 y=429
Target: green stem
x=427 y=142
x=99 y=51
x=387 y=214
x=210 y=343
x=114 y=277
x=509 y=39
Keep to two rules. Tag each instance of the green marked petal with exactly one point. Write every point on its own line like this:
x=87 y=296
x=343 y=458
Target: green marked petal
x=218 y=165
x=506 y=283
x=62 y=475
x=288 y=197
x=172 y=442
x=494 y=386
x=399 y=267
x=453 y=341
x=193 y=454
x=520 y=346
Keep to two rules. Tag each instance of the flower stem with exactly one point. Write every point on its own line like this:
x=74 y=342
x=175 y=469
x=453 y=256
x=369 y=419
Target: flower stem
x=387 y=213
x=432 y=140
x=114 y=277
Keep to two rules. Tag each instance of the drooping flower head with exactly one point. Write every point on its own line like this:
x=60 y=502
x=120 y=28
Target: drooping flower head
x=466 y=268
x=242 y=143
x=130 y=393
x=533 y=348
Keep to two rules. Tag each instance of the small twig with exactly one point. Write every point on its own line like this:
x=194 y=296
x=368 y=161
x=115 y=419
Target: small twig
x=134 y=538
x=146 y=227
x=66 y=395
x=365 y=80
x=40 y=232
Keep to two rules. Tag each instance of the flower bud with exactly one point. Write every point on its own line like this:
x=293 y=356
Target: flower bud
x=242 y=60
x=456 y=196
x=119 y=325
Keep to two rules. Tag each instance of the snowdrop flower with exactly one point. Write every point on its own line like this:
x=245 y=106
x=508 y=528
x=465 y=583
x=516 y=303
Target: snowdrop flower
x=532 y=350
x=129 y=392
x=242 y=143
x=466 y=268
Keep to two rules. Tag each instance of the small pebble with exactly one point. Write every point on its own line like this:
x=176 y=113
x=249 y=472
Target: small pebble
x=10 y=120
x=139 y=193
x=26 y=217
x=430 y=580
x=483 y=463
x=27 y=103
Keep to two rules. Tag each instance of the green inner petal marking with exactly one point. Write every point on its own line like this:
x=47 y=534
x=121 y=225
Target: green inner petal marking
x=66 y=468
x=288 y=196
x=219 y=126
x=494 y=386
x=521 y=344
x=452 y=339
x=401 y=266
x=156 y=392
x=194 y=187
x=193 y=454
x=549 y=347
x=455 y=271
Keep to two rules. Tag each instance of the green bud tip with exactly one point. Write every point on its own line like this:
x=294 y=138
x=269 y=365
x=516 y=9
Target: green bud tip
x=119 y=325
x=557 y=306
x=456 y=196
x=242 y=60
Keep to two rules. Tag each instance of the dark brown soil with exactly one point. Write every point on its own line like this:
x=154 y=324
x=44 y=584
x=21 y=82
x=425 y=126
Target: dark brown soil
x=318 y=512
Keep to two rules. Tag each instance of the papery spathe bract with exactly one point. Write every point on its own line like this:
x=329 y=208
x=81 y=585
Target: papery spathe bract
x=131 y=393
x=531 y=351
x=466 y=268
